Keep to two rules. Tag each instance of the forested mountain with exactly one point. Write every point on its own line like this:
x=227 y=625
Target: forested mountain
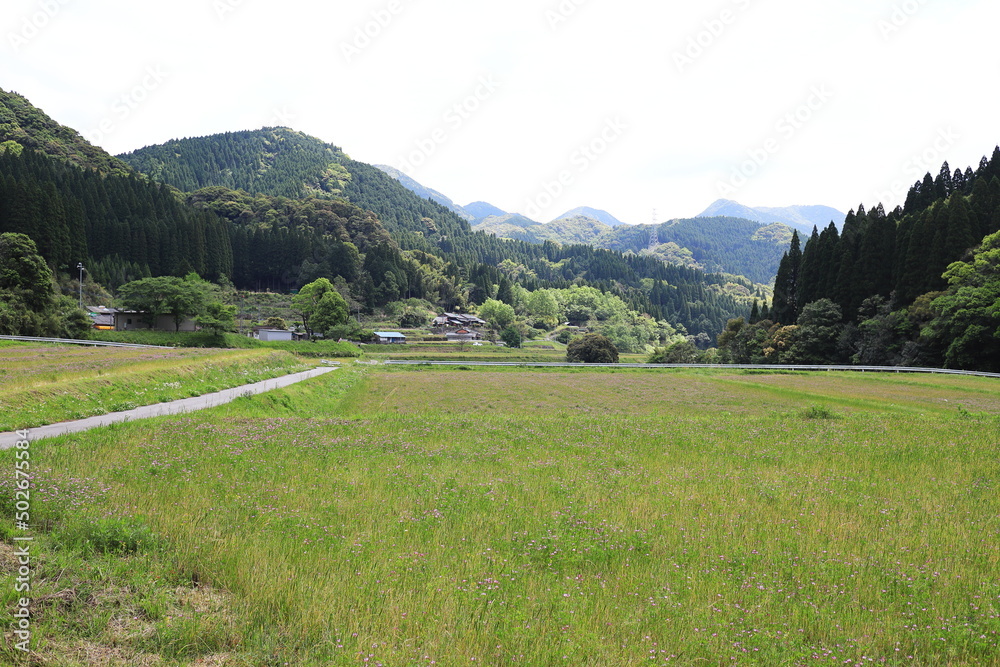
x=287 y=162
x=283 y=163
x=802 y=218
x=275 y=208
x=481 y=212
x=564 y=230
x=724 y=245
x=728 y=245
x=22 y=125
x=908 y=287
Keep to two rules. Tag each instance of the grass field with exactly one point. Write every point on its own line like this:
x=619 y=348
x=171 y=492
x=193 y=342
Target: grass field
x=415 y=517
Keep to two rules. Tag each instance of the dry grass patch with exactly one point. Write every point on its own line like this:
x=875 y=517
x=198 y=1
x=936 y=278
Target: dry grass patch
x=90 y=654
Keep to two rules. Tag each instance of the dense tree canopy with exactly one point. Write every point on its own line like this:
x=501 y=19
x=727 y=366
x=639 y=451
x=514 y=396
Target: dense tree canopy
x=29 y=304
x=497 y=314
x=968 y=313
x=910 y=286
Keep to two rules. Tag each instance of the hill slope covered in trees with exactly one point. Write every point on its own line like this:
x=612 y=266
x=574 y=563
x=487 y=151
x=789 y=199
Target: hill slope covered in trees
x=916 y=286
x=719 y=245
x=22 y=125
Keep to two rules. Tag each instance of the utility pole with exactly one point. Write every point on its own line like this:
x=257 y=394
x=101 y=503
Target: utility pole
x=80 y=266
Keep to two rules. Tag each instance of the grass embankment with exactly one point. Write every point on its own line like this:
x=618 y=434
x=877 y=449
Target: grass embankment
x=45 y=384
x=540 y=518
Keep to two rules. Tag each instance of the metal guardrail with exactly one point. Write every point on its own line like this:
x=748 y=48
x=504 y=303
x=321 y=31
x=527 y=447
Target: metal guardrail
x=775 y=367
x=550 y=364
x=75 y=341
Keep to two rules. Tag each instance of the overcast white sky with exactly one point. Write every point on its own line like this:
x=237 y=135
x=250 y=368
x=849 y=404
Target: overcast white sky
x=540 y=106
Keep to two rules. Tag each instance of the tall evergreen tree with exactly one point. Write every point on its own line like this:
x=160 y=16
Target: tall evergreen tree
x=960 y=236
x=785 y=308
x=811 y=271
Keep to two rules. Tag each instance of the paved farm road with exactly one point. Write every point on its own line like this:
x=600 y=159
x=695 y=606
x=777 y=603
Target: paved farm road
x=183 y=405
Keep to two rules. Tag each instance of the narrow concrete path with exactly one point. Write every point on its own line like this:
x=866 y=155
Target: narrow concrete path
x=181 y=406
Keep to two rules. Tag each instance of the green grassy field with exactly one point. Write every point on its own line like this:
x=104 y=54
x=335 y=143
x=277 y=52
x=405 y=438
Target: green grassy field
x=415 y=516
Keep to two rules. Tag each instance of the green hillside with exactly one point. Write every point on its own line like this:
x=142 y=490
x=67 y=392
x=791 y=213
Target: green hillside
x=281 y=162
x=575 y=230
x=729 y=245
x=22 y=125
x=716 y=245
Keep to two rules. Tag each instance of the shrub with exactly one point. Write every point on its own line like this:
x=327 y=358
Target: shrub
x=512 y=336
x=681 y=352
x=350 y=331
x=176 y=339
x=819 y=412
x=592 y=349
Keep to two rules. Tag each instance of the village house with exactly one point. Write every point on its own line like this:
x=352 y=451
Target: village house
x=266 y=335
x=103 y=317
x=113 y=319
x=453 y=321
x=389 y=338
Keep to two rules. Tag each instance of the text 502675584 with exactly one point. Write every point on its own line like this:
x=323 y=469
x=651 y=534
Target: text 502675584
x=22 y=519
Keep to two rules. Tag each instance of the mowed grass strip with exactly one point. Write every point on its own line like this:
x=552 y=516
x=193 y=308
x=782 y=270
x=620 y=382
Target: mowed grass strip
x=45 y=385
x=360 y=518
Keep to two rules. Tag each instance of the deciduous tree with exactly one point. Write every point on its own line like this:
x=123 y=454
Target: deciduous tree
x=498 y=314
x=320 y=306
x=968 y=320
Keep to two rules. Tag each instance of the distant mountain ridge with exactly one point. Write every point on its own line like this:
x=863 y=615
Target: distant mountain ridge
x=802 y=218
x=480 y=210
x=567 y=231
x=734 y=244
x=722 y=245
x=593 y=214
x=423 y=191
